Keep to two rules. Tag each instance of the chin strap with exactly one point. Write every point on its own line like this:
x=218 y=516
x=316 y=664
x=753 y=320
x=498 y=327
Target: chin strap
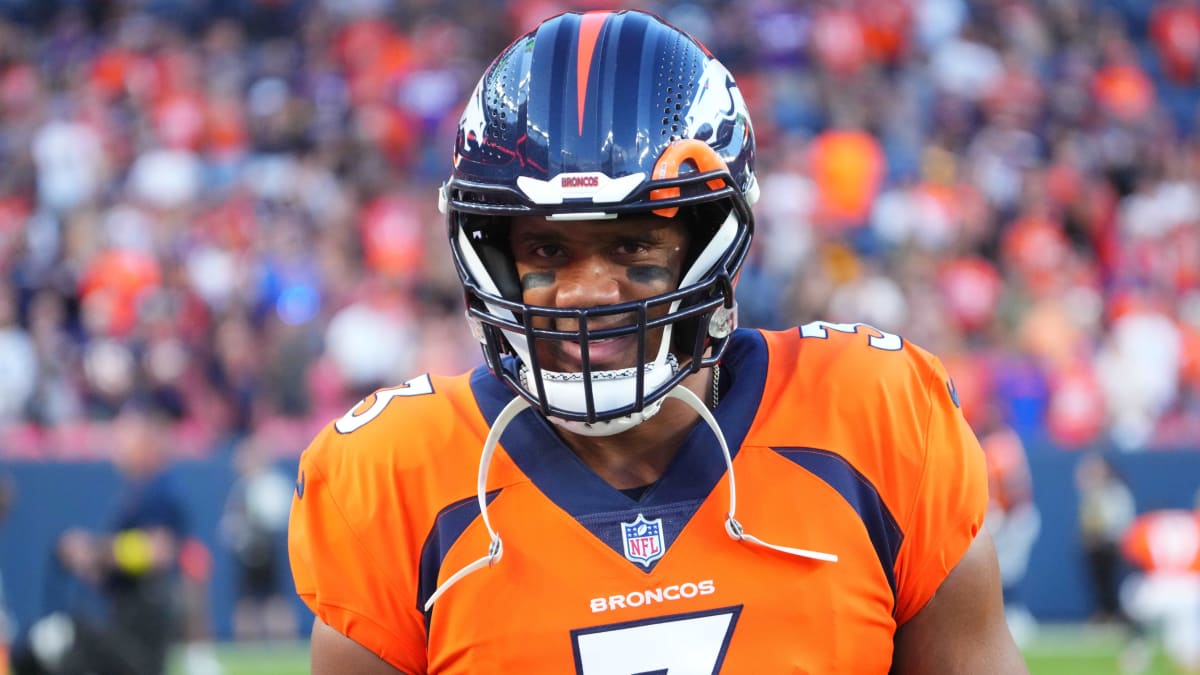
x=496 y=547
x=732 y=526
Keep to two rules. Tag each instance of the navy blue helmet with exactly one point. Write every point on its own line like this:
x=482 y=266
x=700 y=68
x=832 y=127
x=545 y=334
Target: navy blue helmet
x=591 y=116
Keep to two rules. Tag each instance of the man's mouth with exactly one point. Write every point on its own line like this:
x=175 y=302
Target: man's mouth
x=608 y=354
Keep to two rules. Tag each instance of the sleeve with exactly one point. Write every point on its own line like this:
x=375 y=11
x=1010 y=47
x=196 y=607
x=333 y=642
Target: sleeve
x=1134 y=545
x=342 y=578
x=949 y=505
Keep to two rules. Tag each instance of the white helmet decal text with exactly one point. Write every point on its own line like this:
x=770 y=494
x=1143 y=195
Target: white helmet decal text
x=591 y=185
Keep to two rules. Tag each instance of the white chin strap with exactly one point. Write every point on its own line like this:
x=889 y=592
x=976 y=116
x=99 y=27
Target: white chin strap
x=732 y=527
x=496 y=547
x=611 y=389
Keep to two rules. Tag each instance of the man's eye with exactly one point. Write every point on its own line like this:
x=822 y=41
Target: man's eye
x=631 y=247
x=547 y=251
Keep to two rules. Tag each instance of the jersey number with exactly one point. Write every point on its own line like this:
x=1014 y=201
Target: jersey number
x=885 y=341
x=681 y=644
x=351 y=421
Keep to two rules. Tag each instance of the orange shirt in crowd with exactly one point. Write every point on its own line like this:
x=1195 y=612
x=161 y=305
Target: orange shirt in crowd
x=847 y=167
x=1167 y=540
x=1009 y=481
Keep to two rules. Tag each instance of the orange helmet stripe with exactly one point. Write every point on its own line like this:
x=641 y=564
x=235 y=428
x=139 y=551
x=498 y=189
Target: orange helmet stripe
x=589 y=33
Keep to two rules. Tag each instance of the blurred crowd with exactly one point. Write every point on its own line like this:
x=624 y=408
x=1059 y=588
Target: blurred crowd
x=227 y=210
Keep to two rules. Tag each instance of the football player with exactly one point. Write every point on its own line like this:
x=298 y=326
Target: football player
x=632 y=484
x=1163 y=594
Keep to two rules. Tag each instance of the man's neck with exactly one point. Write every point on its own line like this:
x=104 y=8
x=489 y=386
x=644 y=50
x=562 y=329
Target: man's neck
x=640 y=456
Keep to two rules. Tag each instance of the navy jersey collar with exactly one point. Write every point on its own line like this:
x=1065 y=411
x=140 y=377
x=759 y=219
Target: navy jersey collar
x=533 y=445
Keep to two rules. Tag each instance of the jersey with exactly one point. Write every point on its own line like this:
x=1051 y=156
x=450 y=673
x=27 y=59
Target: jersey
x=1009 y=482
x=844 y=440
x=1166 y=541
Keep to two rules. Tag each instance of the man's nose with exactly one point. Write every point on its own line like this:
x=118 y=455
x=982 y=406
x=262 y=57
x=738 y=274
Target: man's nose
x=588 y=282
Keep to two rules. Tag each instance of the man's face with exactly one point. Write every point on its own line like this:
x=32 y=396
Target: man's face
x=139 y=451
x=582 y=264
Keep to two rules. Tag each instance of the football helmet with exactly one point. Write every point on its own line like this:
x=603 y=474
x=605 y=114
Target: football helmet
x=591 y=116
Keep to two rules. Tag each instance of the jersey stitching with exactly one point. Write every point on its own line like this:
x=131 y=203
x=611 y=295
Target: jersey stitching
x=348 y=610
x=927 y=389
x=933 y=377
x=357 y=538
x=362 y=617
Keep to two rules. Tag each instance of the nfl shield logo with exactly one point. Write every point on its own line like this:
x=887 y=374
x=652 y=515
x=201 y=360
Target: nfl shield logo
x=643 y=540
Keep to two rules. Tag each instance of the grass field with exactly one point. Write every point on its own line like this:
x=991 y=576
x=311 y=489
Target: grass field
x=1078 y=650
x=1058 y=650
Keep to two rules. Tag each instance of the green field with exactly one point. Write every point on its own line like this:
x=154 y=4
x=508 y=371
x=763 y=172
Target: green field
x=1081 y=650
x=259 y=659
x=1058 y=650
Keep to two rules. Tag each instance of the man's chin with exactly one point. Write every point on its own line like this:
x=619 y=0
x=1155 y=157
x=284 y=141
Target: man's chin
x=618 y=354
x=566 y=364
x=578 y=367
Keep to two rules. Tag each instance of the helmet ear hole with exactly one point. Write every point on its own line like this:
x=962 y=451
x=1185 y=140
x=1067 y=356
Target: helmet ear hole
x=703 y=220
x=683 y=337
x=490 y=236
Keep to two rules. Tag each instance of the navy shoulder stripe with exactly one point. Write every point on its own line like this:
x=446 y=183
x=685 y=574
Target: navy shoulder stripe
x=854 y=487
x=448 y=527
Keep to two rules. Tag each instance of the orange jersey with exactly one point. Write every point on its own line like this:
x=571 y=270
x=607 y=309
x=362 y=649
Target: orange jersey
x=1164 y=541
x=845 y=441
x=1009 y=482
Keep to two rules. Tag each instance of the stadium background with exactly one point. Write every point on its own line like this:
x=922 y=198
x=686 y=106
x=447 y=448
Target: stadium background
x=227 y=210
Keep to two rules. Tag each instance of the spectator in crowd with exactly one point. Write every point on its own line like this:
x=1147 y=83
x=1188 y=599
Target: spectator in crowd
x=1012 y=519
x=198 y=654
x=1163 y=595
x=253 y=526
x=1106 y=508
x=186 y=193
x=18 y=374
x=132 y=562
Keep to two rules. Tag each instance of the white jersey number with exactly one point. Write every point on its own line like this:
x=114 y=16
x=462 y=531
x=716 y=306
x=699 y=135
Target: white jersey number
x=681 y=644
x=418 y=386
x=885 y=341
